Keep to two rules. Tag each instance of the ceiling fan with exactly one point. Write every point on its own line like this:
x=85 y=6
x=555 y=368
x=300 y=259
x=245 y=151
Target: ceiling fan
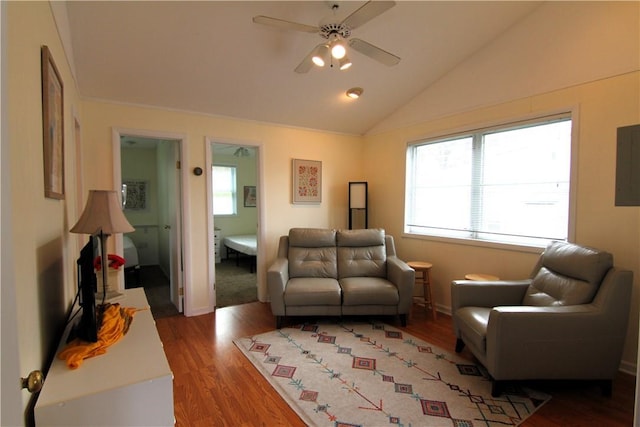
x=337 y=35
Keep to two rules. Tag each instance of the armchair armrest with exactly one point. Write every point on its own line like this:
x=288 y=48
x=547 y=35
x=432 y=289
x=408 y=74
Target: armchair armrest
x=400 y=274
x=466 y=293
x=552 y=342
x=277 y=278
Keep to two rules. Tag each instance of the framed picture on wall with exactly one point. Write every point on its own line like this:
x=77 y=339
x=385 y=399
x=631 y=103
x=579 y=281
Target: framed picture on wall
x=52 y=127
x=135 y=195
x=250 y=196
x=307 y=181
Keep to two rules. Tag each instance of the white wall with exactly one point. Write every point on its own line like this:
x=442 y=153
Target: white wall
x=340 y=156
x=141 y=164
x=566 y=55
x=544 y=64
x=43 y=250
x=561 y=44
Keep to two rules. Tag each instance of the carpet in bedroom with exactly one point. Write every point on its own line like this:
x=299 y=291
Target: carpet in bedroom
x=235 y=285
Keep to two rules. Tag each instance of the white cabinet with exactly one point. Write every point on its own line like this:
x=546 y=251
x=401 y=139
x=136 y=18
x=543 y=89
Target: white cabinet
x=130 y=385
x=216 y=239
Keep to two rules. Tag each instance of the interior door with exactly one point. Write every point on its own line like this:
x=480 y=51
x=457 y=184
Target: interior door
x=174 y=217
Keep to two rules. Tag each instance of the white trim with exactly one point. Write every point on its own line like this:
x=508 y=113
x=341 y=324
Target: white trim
x=573 y=173
x=14 y=400
x=479 y=243
x=219 y=116
x=181 y=139
x=211 y=258
x=573 y=112
x=260 y=259
x=494 y=124
x=628 y=368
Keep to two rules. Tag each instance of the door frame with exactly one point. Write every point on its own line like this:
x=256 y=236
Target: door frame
x=180 y=139
x=260 y=232
x=13 y=405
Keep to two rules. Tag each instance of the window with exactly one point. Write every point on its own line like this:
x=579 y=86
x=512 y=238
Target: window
x=224 y=190
x=508 y=185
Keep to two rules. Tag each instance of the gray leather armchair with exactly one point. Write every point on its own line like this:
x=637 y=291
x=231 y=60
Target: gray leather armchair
x=567 y=321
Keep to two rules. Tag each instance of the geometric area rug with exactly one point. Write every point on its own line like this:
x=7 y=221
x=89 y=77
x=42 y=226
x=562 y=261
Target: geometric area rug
x=372 y=374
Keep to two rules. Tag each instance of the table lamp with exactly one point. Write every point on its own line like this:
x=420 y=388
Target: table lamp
x=102 y=216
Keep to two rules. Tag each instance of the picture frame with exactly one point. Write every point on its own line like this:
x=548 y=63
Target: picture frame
x=307 y=181
x=136 y=195
x=52 y=126
x=250 y=196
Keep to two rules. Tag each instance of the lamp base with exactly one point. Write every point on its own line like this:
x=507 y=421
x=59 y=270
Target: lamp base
x=111 y=296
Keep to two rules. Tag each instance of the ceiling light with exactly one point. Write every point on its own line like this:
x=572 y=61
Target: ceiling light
x=355 y=92
x=344 y=63
x=338 y=51
x=242 y=152
x=319 y=55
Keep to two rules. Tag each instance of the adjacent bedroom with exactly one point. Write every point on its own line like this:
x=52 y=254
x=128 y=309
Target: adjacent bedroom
x=234 y=176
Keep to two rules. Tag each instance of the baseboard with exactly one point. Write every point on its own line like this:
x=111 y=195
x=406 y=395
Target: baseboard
x=199 y=311
x=629 y=368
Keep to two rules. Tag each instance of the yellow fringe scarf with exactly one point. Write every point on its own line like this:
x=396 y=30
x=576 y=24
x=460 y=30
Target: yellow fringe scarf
x=115 y=324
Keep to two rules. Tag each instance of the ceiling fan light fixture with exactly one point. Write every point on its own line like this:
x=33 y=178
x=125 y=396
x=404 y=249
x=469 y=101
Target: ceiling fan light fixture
x=355 y=92
x=320 y=54
x=242 y=152
x=344 y=63
x=338 y=51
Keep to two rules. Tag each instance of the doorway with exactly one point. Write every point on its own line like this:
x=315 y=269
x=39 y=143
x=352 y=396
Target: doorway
x=151 y=193
x=234 y=210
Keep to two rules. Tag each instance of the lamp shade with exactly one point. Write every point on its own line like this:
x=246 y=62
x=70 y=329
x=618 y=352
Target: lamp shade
x=345 y=63
x=320 y=54
x=102 y=214
x=338 y=51
x=358 y=195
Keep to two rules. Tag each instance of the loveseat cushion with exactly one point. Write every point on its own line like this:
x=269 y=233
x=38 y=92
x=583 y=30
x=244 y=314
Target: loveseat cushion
x=361 y=253
x=569 y=275
x=368 y=291
x=312 y=253
x=312 y=291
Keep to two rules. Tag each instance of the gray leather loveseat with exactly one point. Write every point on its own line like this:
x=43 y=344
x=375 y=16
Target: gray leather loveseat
x=322 y=272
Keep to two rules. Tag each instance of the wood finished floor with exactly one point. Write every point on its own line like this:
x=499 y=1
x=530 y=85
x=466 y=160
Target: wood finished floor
x=215 y=385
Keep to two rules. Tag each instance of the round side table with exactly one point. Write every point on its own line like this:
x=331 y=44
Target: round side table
x=423 y=277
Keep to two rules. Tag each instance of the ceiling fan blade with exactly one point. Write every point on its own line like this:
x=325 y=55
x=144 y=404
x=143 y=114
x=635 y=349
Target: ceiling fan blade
x=367 y=12
x=285 y=25
x=306 y=63
x=374 y=52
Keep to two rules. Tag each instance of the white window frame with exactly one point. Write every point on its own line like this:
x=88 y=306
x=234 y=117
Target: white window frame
x=234 y=190
x=529 y=246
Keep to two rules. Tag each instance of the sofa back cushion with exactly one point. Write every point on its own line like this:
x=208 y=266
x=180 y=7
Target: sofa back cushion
x=361 y=253
x=312 y=253
x=569 y=274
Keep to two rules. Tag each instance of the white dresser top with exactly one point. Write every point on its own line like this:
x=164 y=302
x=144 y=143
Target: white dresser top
x=134 y=358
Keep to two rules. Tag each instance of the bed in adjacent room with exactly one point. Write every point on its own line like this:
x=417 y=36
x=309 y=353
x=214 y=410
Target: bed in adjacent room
x=130 y=255
x=245 y=245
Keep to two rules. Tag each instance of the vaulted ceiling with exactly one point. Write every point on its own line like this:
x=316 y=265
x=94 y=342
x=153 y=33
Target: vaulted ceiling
x=209 y=57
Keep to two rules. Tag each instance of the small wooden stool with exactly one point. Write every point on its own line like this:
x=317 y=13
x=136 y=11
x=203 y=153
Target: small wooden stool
x=481 y=277
x=424 y=268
